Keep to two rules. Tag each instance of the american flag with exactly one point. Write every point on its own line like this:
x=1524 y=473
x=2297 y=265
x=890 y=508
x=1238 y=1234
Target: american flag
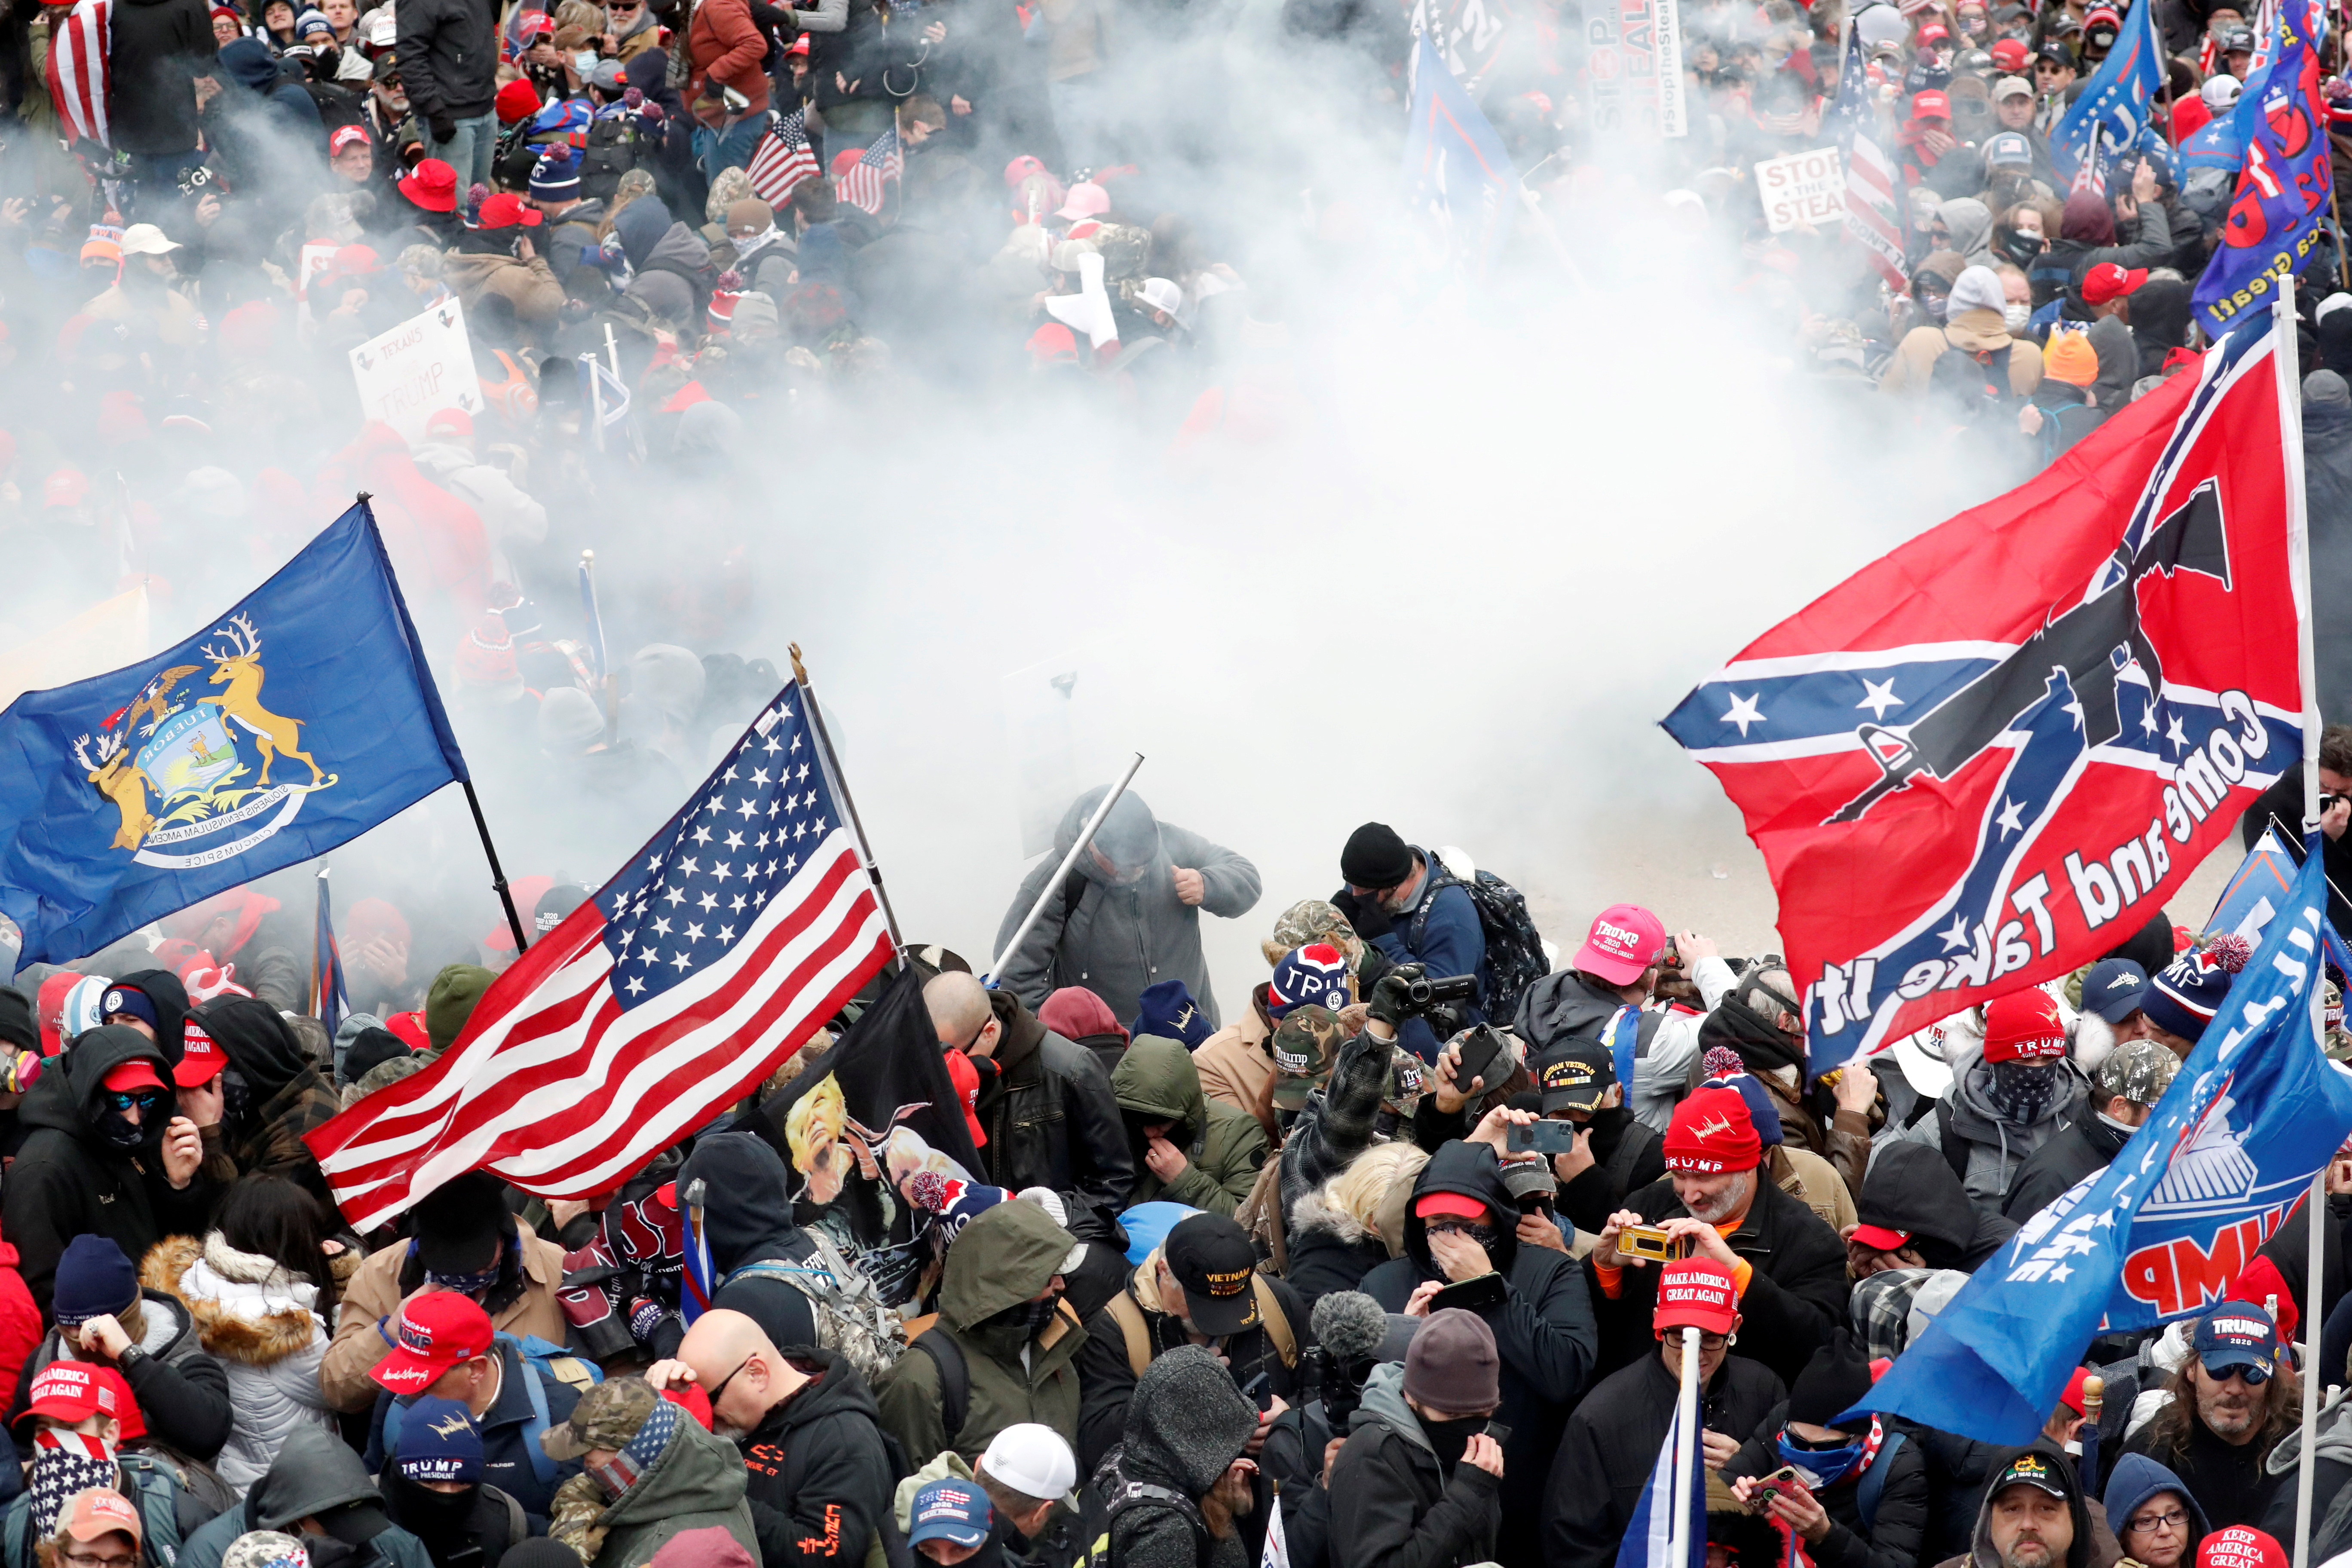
x=1871 y=220
x=783 y=162
x=862 y=186
x=78 y=76
x=722 y=944
x=330 y=1001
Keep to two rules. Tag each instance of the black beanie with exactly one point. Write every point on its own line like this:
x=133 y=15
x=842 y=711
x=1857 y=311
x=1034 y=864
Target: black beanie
x=1833 y=1382
x=370 y=1049
x=18 y=1026
x=1375 y=857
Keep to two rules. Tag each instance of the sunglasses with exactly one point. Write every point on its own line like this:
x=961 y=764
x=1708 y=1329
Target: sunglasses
x=144 y=1099
x=723 y=1382
x=2253 y=1377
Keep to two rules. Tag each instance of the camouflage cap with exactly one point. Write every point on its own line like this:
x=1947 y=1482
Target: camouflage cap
x=607 y=1416
x=2140 y=1070
x=1305 y=1044
x=1311 y=921
x=265 y=1549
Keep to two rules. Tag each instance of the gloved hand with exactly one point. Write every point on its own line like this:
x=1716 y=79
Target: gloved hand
x=1392 y=1003
x=1365 y=915
x=443 y=127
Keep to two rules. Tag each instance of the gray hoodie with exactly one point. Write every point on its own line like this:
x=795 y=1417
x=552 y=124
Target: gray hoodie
x=1996 y=1147
x=1185 y=1424
x=314 y=1473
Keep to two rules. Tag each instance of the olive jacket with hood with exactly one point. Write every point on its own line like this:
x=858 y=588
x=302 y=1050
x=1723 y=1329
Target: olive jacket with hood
x=1392 y=1506
x=2093 y=1544
x=695 y=1482
x=1986 y=1148
x=68 y=1181
x=1224 y=1148
x=1001 y=1260
x=1053 y=1122
x=1544 y=1328
x=1117 y=939
x=314 y=1473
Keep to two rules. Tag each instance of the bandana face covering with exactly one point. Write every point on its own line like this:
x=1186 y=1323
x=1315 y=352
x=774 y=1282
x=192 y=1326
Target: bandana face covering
x=1820 y=1467
x=621 y=1472
x=2021 y=1091
x=63 y=1464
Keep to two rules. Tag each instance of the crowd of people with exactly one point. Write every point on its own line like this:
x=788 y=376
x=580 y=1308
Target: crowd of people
x=1401 y=1257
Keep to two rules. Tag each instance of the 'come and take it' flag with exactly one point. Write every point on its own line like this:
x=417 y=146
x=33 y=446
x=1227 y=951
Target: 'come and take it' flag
x=295 y=722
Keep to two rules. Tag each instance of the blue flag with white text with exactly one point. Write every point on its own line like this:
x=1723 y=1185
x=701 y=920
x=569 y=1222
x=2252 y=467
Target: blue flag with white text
x=2257 y=891
x=294 y=722
x=2279 y=210
x=1650 y=1538
x=2159 y=1233
x=2113 y=104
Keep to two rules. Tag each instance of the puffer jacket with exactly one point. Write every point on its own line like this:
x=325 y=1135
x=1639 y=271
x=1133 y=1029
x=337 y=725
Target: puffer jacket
x=1053 y=1122
x=1156 y=1081
x=262 y=1323
x=694 y=1482
x=1118 y=939
x=1391 y=1504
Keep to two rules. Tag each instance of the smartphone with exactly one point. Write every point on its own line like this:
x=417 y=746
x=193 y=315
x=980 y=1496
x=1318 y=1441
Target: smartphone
x=1784 y=1479
x=1498 y=1431
x=1481 y=1049
x=1471 y=1295
x=1650 y=1241
x=1544 y=1137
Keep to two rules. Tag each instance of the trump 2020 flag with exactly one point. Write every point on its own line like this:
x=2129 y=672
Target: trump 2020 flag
x=2163 y=1230
x=1987 y=758
x=2106 y=122
x=2257 y=890
x=722 y=945
x=295 y=722
x=2281 y=205
x=1455 y=169
x=1651 y=1539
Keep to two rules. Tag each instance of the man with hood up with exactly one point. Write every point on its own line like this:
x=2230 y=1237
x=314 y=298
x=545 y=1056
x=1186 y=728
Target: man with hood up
x=1187 y=1149
x=1914 y=1213
x=271 y=1094
x=318 y=1488
x=1603 y=995
x=151 y=1001
x=746 y=1222
x=1461 y=1226
x=2125 y=1091
x=2034 y=1515
x=650 y=1473
x=104 y=1154
x=1186 y=1429
x=2007 y=1105
x=1005 y=1340
x=1128 y=915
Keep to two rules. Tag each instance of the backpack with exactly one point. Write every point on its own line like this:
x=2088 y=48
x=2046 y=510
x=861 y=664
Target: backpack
x=542 y=1364
x=1515 y=953
x=1638 y=1139
x=611 y=151
x=1121 y=1496
x=850 y=1320
x=1128 y=1313
x=166 y=1512
x=1873 y=1485
x=1972 y=384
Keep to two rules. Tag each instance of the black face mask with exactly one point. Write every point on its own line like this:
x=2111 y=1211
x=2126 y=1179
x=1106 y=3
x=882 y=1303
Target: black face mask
x=2021 y=1091
x=1451 y=1438
x=433 y=1516
x=2022 y=248
x=236 y=1097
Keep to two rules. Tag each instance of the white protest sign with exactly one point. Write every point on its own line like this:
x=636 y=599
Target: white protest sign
x=316 y=255
x=421 y=366
x=1803 y=187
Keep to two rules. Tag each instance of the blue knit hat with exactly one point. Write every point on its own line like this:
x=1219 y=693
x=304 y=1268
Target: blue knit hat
x=556 y=177
x=1316 y=974
x=94 y=1280
x=439 y=1442
x=1168 y=1011
x=1734 y=1075
x=310 y=18
x=2183 y=999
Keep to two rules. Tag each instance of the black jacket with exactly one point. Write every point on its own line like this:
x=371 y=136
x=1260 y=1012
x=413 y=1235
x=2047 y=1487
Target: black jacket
x=1323 y=1261
x=450 y=1523
x=1107 y=1377
x=68 y=1180
x=820 y=1474
x=507 y=1462
x=158 y=49
x=1544 y=1329
x=2228 y=1480
x=183 y=1392
x=1392 y=1504
x=2281 y=806
x=1796 y=1295
x=1611 y=1445
x=1893 y=1537
x=1589 y=1200
x=1052 y=1122
x=1911 y=1187
x=449 y=53
x=2088 y=1145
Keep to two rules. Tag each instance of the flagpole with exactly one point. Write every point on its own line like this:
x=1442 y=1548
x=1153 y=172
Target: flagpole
x=498 y=872
x=318 y=910
x=608 y=696
x=1054 y=884
x=834 y=776
x=1678 y=1542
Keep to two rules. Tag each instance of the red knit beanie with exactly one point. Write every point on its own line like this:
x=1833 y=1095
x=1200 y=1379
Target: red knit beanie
x=1712 y=1132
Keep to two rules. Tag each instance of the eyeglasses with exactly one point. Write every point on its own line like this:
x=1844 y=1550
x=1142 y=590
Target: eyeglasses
x=2148 y=1523
x=2253 y=1377
x=725 y=1381
x=80 y=1560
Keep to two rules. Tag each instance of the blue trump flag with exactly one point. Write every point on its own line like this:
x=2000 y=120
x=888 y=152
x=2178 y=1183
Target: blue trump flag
x=2113 y=104
x=2159 y=1233
x=293 y=723
x=2280 y=208
x=1455 y=169
x=2256 y=891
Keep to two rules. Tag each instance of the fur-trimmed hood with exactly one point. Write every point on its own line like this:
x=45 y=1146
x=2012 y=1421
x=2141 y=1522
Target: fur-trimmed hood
x=247 y=1308
x=1315 y=1211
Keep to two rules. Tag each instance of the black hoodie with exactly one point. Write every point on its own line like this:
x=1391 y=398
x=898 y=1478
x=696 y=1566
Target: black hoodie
x=1911 y=1188
x=2084 y=1547
x=1544 y=1329
x=820 y=1474
x=171 y=998
x=68 y=1181
x=747 y=1218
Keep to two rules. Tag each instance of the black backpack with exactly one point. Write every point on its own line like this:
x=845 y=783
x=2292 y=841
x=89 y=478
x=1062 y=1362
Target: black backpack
x=1514 y=953
x=611 y=151
x=1123 y=1496
x=1971 y=386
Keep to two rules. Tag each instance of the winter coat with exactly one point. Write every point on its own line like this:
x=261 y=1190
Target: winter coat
x=511 y=1458
x=510 y=516
x=527 y=1304
x=1611 y=1443
x=726 y=49
x=183 y=1393
x=1911 y=1188
x=1236 y=1065
x=1995 y=1149
x=1544 y=1329
x=1392 y=1504
x=1338 y=1122
x=1107 y=1379
x=2086 y=1145
x=290 y=1096
x=819 y=1473
x=312 y=1473
x=747 y=1218
x=1589 y=1199
x=697 y=1481
x=1186 y=1426
x=1796 y=1292
x=1156 y=1081
x=1118 y=941
x=20 y=1319
x=1891 y=1539
x=1329 y=1250
x=448 y=52
x=1000 y=1261
x=256 y=119
x=157 y=50
x=2331 y=1496
x=262 y=1323
x=530 y=287
x=1969 y=331
x=2085 y=1548
x=2232 y=1481
x=1569 y=1006
x=1052 y=1120
x=68 y=1180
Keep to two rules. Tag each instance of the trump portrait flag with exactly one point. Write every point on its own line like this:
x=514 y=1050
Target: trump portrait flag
x=1988 y=757
x=292 y=724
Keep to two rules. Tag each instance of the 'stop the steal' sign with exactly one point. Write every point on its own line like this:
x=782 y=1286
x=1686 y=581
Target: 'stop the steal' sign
x=418 y=368
x=1803 y=188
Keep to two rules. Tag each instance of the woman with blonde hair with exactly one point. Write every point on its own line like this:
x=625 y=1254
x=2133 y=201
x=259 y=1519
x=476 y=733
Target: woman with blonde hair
x=1338 y=1232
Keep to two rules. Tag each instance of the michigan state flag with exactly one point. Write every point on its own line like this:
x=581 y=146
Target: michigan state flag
x=294 y=722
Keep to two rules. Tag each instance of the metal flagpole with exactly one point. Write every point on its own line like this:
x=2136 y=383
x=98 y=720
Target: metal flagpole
x=1053 y=883
x=609 y=695
x=498 y=872
x=318 y=961
x=833 y=776
x=1686 y=1452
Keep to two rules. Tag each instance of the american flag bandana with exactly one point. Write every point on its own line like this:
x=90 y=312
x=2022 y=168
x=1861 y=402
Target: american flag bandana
x=65 y=1463
x=640 y=1453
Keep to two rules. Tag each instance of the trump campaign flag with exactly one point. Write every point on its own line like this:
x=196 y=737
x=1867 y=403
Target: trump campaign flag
x=740 y=927
x=2106 y=121
x=2280 y=209
x=295 y=722
x=1987 y=758
x=2161 y=1232
x=1455 y=168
